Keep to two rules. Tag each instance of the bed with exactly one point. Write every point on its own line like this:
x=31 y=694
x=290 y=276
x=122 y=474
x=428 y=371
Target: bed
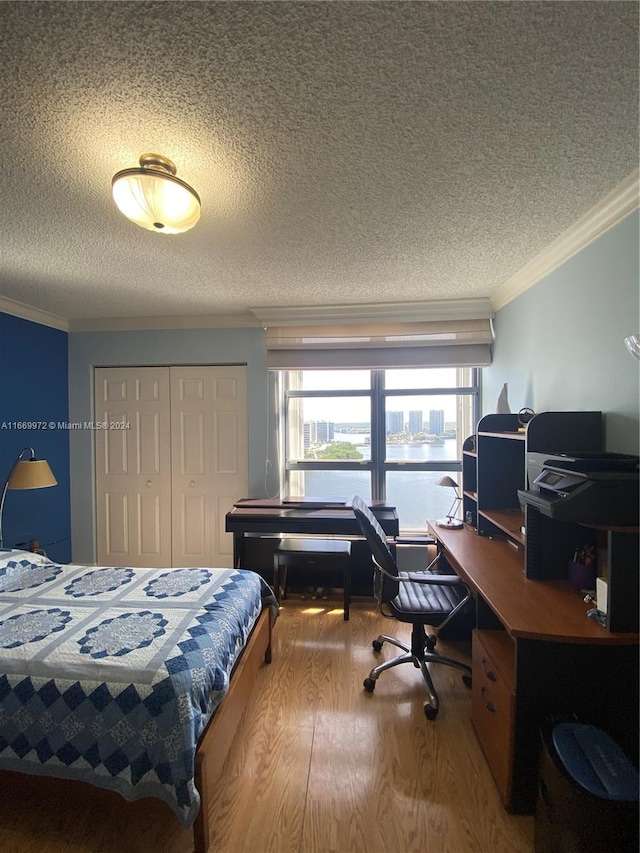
x=112 y=675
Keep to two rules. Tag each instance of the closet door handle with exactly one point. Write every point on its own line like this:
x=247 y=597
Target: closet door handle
x=192 y=483
x=488 y=672
x=149 y=483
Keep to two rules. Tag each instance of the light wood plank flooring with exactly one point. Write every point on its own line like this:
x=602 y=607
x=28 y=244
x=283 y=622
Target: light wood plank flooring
x=319 y=766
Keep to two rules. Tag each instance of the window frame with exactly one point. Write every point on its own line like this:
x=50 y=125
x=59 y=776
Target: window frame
x=378 y=465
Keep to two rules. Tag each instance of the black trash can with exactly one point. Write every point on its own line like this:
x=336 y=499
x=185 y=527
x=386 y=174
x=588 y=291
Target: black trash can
x=587 y=795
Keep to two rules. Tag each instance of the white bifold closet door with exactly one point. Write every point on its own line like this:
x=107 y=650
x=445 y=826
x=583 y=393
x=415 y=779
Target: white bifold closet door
x=165 y=482
x=209 y=460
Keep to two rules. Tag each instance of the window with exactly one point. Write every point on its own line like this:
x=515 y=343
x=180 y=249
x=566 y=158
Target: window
x=383 y=434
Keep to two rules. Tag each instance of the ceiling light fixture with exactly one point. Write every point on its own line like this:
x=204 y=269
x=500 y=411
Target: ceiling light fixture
x=154 y=198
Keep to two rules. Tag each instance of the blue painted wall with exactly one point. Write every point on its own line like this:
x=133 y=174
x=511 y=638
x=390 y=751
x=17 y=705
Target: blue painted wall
x=34 y=388
x=560 y=345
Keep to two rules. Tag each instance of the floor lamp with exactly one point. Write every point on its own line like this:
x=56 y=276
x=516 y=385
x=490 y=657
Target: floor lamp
x=29 y=473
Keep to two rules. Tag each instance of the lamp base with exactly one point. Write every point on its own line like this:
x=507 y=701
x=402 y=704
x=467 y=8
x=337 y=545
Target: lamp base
x=450 y=523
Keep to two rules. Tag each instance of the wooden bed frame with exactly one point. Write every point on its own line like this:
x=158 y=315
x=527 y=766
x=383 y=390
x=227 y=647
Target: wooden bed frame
x=217 y=738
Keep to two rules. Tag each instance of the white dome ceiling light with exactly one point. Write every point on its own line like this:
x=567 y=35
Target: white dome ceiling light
x=154 y=198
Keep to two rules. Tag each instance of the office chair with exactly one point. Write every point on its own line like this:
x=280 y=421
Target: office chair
x=417 y=598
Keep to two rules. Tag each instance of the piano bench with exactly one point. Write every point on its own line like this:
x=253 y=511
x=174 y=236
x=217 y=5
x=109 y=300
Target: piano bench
x=315 y=553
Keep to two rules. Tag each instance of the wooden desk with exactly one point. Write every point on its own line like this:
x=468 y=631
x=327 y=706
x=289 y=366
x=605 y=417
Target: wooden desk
x=535 y=654
x=272 y=517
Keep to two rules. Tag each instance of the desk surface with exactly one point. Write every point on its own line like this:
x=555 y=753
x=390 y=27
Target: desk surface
x=538 y=610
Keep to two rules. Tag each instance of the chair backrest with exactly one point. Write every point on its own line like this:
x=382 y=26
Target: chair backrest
x=384 y=586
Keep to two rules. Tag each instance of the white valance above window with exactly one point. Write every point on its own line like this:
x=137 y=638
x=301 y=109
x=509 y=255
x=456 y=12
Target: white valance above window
x=437 y=343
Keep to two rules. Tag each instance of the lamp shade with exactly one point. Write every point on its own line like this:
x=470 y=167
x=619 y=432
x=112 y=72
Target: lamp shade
x=32 y=474
x=154 y=198
x=28 y=473
x=447 y=481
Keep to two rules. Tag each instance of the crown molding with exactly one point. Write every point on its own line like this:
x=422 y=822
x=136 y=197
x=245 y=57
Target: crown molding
x=392 y=312
x=133 y=324
x=35 y=315
x=609 y=211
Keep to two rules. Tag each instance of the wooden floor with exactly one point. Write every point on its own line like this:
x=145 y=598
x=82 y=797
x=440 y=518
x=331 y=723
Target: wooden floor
x=319 y=766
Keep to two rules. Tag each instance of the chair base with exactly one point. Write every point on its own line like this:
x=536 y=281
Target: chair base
x=420 y=654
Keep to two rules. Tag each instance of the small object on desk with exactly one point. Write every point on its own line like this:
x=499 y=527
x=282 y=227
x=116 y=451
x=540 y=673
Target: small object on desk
x=450 y=522
x=502 y=406
x=582 y=576
x=524 y=416
x=602 y=593
x=582 y=568
x=598 y=616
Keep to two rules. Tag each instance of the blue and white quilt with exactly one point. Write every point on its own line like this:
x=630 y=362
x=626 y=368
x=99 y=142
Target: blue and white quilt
x=110 y=675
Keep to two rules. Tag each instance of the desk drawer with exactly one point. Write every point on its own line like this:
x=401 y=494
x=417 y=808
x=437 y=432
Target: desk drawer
x=493 y=704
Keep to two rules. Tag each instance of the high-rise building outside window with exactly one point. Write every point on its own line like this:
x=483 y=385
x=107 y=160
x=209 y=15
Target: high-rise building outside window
x=415 y=421
x=436 y=421
x=395 y=422
x=383 y=434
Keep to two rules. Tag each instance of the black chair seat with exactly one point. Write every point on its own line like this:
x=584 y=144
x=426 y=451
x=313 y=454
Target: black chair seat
x=413 y=599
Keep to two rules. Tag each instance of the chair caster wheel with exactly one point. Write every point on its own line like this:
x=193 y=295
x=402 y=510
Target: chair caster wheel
x=430 y=712
x=466 y=680
x=369 y=685
x=432 y=639
x=377 y=645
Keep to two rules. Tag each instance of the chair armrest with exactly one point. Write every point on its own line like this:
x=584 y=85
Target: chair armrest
x=437 y=580
x=415 y=540
x=421 y=577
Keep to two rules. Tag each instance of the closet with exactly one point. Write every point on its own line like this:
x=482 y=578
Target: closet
x=171 y=457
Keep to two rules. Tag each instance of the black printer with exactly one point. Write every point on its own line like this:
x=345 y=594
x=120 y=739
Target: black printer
x=599 y=489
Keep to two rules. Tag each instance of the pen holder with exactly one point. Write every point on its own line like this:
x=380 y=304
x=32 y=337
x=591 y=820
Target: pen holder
x=581 y=576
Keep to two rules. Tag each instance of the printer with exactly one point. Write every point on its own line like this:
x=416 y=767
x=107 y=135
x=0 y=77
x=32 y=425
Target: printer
x=599 y=489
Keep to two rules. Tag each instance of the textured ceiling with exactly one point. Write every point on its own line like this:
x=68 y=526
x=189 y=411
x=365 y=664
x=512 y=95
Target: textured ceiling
x=345 y=152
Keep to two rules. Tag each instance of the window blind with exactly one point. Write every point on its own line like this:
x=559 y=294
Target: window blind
x=441 y=343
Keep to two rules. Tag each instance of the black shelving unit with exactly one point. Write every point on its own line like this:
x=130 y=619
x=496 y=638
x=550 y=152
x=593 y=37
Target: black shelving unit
x=494 y=464
x=470 y=481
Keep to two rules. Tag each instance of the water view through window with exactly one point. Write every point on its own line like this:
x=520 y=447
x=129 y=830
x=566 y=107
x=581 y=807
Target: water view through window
x=414 y=493
x=380 y=434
